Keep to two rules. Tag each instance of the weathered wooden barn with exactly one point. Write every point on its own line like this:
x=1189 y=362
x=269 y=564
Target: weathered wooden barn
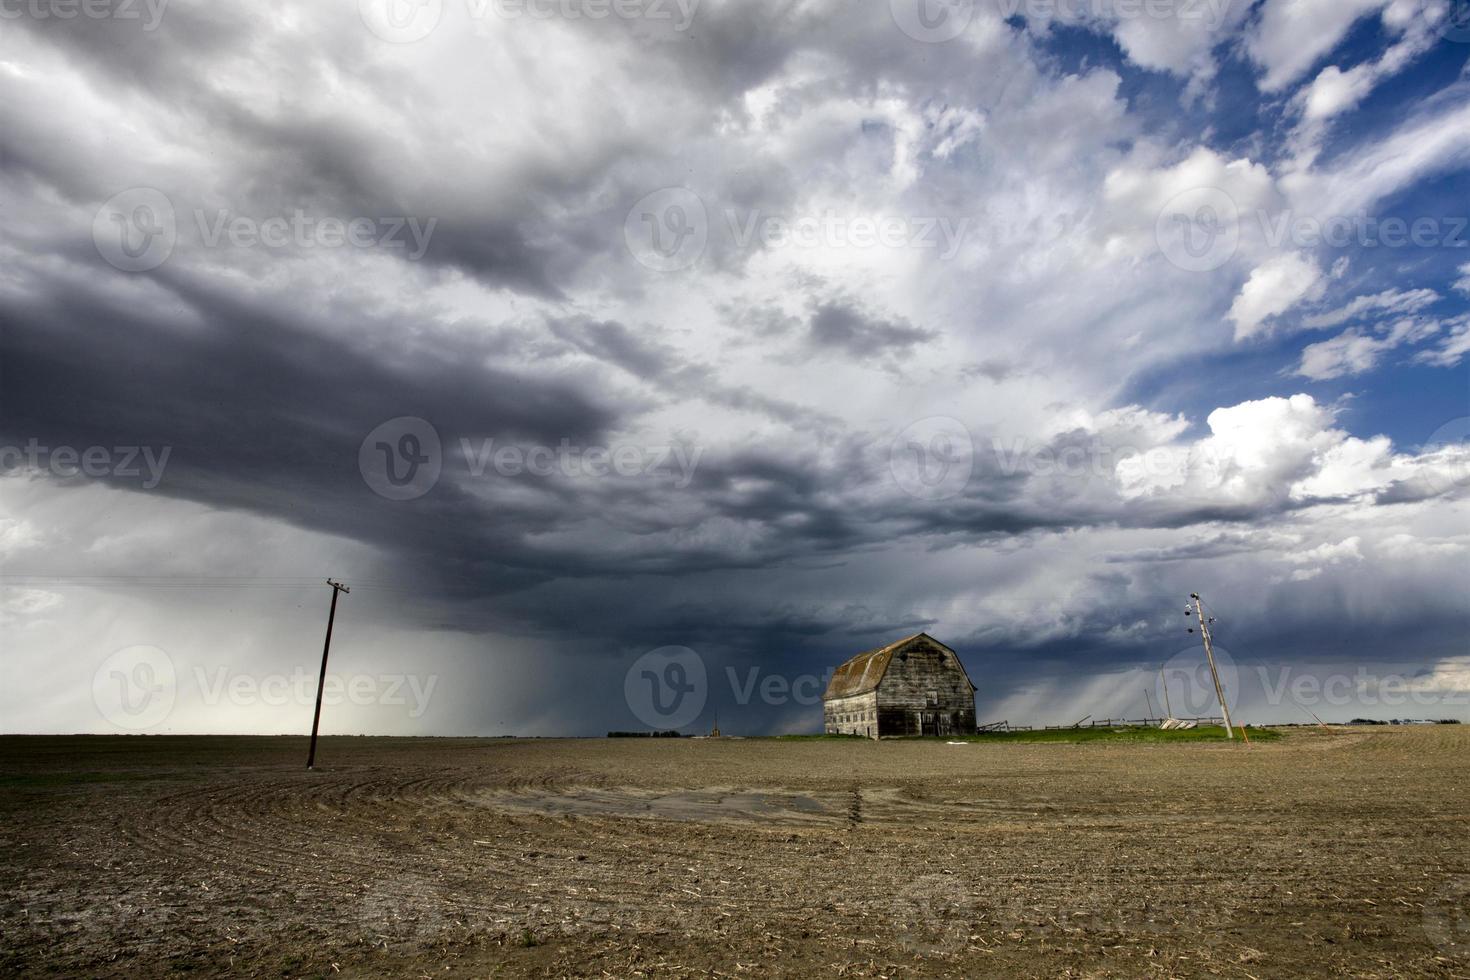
x=916 y=686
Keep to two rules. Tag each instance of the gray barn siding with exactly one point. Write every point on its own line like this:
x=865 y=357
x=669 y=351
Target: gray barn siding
x=852 y=716
x=905 y=705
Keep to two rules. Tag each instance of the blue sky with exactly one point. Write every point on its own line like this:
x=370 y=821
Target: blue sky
x=1403 y=400
x=771 y=332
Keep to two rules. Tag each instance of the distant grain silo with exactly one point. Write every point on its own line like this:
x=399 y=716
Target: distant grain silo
x=916 y=686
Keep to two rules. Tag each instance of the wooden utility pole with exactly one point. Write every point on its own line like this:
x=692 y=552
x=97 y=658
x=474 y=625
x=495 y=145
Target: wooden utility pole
x=1165 y=682
x=1149 y=698
x=1204 y=631
x=321 y=681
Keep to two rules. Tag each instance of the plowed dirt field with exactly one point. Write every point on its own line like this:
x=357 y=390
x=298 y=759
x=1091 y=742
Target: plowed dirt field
x=1319 y=854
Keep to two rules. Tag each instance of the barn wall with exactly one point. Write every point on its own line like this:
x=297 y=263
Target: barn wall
x=925 y=692
x=857 y=715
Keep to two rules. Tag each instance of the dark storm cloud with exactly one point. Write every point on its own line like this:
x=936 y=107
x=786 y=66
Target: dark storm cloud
x=760 y=322
x=746 y=399
x=269 y=160
x=733 y=47
x=614 y=343
x=266 y=413
x=859 y=333
x=1420 y=488
x=139 y=54
x=269 y=156
x=649 y=360
x=1216 y=546
x=996 y=371
x=266 y=408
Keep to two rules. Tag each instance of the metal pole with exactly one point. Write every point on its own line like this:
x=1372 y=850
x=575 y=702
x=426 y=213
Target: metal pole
x=1204 y=629
x=321 y=681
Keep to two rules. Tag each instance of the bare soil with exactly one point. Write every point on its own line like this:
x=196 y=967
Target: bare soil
x=1321 y=854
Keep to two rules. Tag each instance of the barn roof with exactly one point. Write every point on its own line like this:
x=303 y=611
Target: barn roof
x=862 y=673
